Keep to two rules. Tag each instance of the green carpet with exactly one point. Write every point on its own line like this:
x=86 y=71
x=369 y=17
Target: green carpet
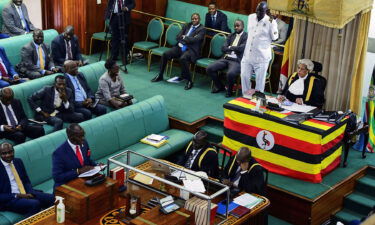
x=198 y=102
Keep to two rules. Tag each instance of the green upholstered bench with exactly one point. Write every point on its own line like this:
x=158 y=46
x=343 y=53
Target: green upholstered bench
x=107 y=135
x=13 y=45
x=3 y=3
x=182 y=11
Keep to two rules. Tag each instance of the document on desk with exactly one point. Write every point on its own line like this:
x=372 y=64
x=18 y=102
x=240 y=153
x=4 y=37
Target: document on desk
x=247 y=200
x=298 y=108
x=194 y=185
x=92 y=172
x=144 y=179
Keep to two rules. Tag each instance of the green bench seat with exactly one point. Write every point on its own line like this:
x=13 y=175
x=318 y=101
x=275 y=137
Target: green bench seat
x=107 y=135
x=182 y=11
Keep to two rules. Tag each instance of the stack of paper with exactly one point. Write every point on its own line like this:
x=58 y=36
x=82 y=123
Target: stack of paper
x=194 y=185
x=144 y=179
x=155 y=140
x=247 y=200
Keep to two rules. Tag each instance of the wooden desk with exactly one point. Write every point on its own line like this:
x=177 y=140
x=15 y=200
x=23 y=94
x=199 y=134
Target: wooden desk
x=255 y=217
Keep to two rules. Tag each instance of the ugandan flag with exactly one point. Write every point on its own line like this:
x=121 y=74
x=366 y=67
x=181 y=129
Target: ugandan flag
x=304 y=151
x=371 y=133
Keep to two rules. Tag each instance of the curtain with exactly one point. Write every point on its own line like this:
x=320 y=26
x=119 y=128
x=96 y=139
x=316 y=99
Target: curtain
x=341 y=52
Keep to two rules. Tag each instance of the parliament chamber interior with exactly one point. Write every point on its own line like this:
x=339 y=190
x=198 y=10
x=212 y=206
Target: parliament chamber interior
x=206 y=112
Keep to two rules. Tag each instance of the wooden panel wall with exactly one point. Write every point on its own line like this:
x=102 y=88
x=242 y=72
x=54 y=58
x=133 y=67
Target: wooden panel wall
x=86 y=16
x=238 y=6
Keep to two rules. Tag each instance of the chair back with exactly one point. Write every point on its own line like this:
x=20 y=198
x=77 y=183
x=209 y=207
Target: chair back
x=155 y=30
x=318 y=68
x=224 y=156
x=217 y=42
x=106 y=26
x=170 y=35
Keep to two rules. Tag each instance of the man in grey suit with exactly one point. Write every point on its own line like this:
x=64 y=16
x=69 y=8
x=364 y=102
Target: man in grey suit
x=36 y=59
x=16 y=19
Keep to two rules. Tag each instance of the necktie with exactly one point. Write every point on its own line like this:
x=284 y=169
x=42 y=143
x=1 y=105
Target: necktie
x=17 y=178
x=189 y=162
x=23 y=21
x=79 y=155
x=70 y=56
x=236 y=40
x=119 y=4
x=213 y=20
x=79 y=87
x=184 y=47
x=2 y=70
x=10 y=116
x=41 y=58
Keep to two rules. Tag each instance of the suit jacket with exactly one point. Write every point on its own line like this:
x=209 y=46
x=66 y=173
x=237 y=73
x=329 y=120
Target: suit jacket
x=29 y=57
x=317 y=95
x=59 y=49
x=220 y=24
x=252 y=181
x=5 y=189
x=194 y=41
x=65 y=162
x=82 y=80
x=45 y=97
x=12 y=24
x=18 y=112
x=111 y=4
x=209 y=162
x=9 y=67
x=238 y=50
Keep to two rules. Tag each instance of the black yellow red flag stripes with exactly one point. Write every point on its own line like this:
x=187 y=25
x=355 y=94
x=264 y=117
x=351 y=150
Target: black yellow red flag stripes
x=306 y=151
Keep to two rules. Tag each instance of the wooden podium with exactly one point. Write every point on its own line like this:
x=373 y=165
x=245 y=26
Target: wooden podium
x=83 y=202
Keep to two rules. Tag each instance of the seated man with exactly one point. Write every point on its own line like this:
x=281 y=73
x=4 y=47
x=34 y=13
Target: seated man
x=303 y=87
x=16 y=193
x=200 y=156
x=14 y=124
x=282 y=27
x=216 y=19
x=244 y=173
x=55 y=104
x=66 y=47
x=233 y=47
x=72 y=157
x=8 y=75
x=188 y=50
x=16 y=19
x=84 y=100
x=36 y=60
x=111 y=87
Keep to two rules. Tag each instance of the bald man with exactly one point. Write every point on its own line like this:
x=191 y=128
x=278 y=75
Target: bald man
x=66 y=47
x=84 y=99
x=36 y=60
x=16 y=193
x=200 y=156
x=14 y=123
x=245 y=173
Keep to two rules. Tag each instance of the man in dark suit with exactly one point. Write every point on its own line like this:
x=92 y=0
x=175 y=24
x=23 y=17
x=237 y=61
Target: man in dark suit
x=16 y=19
x=36 y=60
x=216 y=19
x=116 y=10
x=8 y=75
x=244 y=173
x=55 y=104
x=200 y=156
x=14 y=124
x=233 y=49
x=66 y=47
x=84 y=99
x=16 y=193
x=188 y=50
x=72 y=157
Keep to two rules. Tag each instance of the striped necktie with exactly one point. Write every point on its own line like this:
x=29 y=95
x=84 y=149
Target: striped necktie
x=17 y=178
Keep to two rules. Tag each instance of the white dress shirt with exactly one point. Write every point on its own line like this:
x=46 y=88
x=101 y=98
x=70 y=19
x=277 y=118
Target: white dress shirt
x=67 y=44
x=73 y=146
x=6 y=115
x=12 y=180
x=282 y=27
x=298 y=86
x=56 y=102
x=196 y=153
x=233 y=54
x=260 y=36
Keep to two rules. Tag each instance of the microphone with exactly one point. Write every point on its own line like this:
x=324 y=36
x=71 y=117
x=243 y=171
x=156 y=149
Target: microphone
x=342 y=116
